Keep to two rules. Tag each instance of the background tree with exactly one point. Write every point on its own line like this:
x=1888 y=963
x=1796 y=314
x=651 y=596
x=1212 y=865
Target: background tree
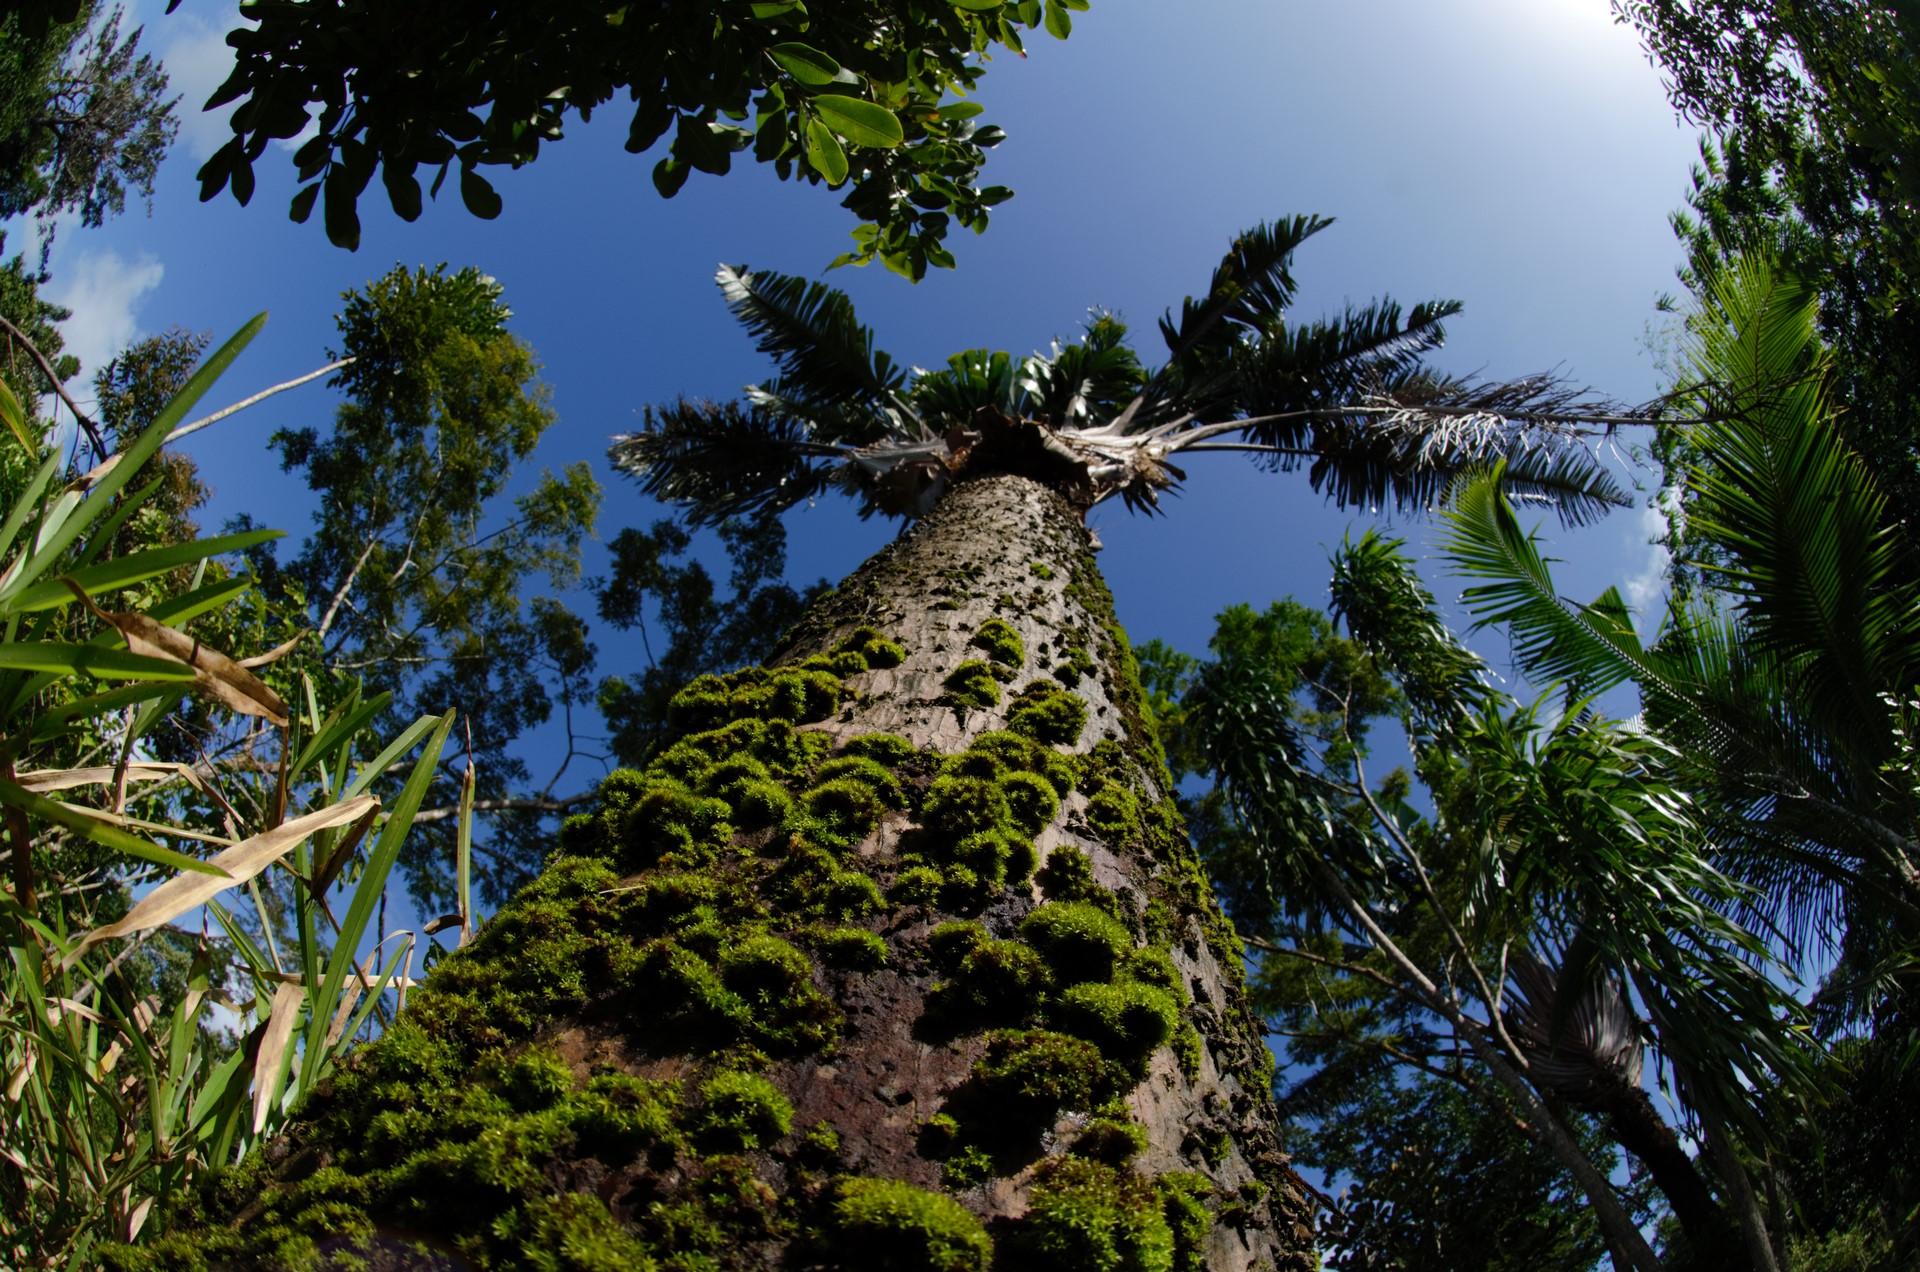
x=417 y=573
x=839 y=846
x=1778 y=678
x=1816 y=113
x=30 y=328
x=873 y=100
x=84 y=118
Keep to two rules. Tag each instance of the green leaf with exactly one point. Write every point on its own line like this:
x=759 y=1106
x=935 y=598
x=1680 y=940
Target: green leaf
x=809 y=65
x=134 y=567
x=824 y=153
x=961 y=110
x=98 y=661
x=126 y=463
x=775 y=9
x=479 y=195
x=977 y=6
x=860 y=121
x=100 y=832
x=1059 y=25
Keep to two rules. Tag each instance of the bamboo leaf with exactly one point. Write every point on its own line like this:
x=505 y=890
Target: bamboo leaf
x=86 y=823
x=215 y=674
x=269 y=1065
x=96 y=661
x=106 y=576
x=234 y=866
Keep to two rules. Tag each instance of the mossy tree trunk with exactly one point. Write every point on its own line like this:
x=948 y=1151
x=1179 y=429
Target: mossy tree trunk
x=899 y=959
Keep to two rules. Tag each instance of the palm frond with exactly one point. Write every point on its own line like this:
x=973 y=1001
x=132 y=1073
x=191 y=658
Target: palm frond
x=1251 y=287
x=972 y=380
x=1328 y=363
x=1591 y=648
x=721 y=461
x=1078 y=384
x=1390 y=613
x=825 y=354
x=1815 y=564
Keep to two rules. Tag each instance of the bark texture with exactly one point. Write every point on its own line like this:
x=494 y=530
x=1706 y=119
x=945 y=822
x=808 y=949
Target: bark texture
x=899 y=959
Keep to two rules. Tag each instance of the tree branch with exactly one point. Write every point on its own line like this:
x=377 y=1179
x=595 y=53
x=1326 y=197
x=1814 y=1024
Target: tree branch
x=86 y=423
x=539 y=805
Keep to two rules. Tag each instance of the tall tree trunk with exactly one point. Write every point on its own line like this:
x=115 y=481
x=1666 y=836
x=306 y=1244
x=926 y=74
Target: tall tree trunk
x=798 y=996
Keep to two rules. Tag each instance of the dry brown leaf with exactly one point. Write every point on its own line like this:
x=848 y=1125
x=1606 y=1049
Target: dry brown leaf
x=240 y=863
x=215 y=674
x=275 y=654
x=18 y=1082
x=45 y=780
x=266 y=1062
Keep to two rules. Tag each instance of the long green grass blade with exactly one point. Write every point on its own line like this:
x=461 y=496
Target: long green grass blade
x=96 y=661
x=129 y=461
x=366 y=893
x=134 y=568
x=100 y=832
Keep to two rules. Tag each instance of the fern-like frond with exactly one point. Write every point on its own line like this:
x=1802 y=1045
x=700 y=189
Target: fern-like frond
x=824 y=352
x=721 y=461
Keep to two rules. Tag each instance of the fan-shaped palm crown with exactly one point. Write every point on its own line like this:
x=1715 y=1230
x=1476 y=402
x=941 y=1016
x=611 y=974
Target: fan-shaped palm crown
x=1349 y=396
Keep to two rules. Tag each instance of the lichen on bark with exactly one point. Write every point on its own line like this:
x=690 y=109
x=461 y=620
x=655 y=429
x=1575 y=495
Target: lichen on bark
x=859 y=971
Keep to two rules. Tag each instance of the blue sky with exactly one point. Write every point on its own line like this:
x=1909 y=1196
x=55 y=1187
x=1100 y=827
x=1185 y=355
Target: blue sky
x=1516 y=154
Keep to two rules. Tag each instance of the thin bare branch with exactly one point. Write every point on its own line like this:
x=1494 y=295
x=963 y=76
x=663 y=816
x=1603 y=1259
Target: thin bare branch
x=85 y=421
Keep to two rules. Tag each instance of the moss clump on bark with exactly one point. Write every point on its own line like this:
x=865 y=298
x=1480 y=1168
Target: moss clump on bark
x=1047 y=713
x=972 y=684
x=741 y=1111
x=1087 y=1216
x=892 y=1226
x=1001 y=644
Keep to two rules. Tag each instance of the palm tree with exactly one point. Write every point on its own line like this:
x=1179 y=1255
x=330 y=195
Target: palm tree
x=1554 y=913
x=902 y=956
x=1785 y=676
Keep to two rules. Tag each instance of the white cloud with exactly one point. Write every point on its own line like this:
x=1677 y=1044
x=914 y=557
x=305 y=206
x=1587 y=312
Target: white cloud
x=103 y=289
x=1645 y=590
x=198 y=61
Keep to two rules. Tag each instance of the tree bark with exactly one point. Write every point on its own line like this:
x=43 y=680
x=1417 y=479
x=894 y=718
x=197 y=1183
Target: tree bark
x=734 y=1026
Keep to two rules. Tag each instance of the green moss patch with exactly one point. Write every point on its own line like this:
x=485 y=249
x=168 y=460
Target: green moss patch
x=1079 y=941
x=741 y=1111
x=1086 y=1216
x=891 y=1226
x=1047 y=713
x=997 y=639
x=972 y=684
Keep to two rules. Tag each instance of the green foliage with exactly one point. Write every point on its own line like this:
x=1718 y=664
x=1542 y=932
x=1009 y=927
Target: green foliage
x=488 y=93
x=1430 y=1174
x=22 y=305
x=1575 y=838
x=1816 y=108
x=893 y=1226
x=94 y=1148
x=84 y=117
x=420 y=573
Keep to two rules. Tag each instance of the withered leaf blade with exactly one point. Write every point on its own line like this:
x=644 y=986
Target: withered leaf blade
x=273 y=1047
x=240 y=863
x=214 y=674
